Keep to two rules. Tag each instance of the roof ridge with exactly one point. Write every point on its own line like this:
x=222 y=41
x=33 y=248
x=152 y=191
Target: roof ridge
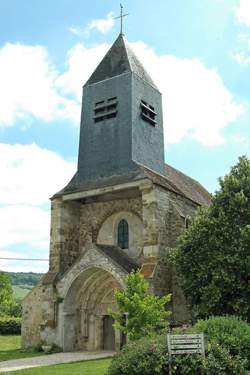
x=125 y=47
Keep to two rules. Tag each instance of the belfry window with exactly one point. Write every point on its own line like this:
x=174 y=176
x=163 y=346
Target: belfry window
x=105 y=109
x=148 y=113
x=123 y=234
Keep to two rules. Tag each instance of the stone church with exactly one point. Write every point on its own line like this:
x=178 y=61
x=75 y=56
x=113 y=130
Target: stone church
x=122 y=211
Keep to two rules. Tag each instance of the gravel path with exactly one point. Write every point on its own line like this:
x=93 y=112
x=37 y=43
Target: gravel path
x=51 y=359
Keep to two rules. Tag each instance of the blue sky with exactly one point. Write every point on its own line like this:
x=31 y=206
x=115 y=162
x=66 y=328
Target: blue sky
x=197 y=52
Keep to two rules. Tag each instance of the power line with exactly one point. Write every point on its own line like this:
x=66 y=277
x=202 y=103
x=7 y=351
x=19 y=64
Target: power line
x=28 y=259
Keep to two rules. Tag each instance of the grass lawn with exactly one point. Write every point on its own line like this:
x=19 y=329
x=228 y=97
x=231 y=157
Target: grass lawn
x=94 y=367
x=10 y=349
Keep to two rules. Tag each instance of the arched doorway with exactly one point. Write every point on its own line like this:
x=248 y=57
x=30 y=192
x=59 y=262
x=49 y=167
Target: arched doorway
x=86 y=322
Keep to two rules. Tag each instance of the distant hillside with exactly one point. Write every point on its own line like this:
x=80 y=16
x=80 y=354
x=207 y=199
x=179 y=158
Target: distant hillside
x=25 y=278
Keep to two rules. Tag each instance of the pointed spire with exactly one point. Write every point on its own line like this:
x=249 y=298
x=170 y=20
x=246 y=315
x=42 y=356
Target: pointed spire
x=118 y=60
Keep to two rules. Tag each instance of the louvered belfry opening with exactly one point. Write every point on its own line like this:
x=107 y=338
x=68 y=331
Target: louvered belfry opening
x=148 y=113
x=105 y=109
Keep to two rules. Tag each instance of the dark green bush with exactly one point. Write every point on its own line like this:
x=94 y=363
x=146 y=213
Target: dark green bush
x=146 y=356
x=229 y=332
x=149 y=357
x=10 y=325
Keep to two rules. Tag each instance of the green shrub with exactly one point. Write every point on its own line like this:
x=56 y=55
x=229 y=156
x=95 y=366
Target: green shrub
x=150 y=357
x=219 y=361
x=146 y=356
x=229 y=332
x=10 y=325
x=188 y=365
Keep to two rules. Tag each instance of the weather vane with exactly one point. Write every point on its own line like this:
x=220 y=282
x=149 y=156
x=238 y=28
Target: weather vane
x=121 y=17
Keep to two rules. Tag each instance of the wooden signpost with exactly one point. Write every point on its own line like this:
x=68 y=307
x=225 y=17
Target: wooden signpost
x=185 y=344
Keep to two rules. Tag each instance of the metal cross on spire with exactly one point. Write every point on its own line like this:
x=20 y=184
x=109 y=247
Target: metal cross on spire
x=121 y=17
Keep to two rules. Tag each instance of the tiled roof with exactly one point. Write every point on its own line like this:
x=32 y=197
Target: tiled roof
x=119 y=257
x=181 y=184
x=191 y=188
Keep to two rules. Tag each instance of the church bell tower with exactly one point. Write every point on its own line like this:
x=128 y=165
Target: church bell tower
x=121 y=121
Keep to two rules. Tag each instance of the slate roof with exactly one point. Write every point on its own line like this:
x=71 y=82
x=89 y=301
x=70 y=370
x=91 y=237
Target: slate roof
x=119 y=257
x=119 y=59
x=174 y=180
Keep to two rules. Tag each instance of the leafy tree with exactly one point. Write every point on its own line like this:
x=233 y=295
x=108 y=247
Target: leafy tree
x=213 y=256
x=7 y=300
x=146 y=313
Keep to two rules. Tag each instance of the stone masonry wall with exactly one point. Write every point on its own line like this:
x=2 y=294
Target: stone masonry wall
x=75 y=226
x=170 y=216
x=32 y=317
x=93 y=215
x=64 y=236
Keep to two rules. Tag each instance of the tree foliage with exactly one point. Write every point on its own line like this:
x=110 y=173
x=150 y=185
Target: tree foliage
x=7 y=300
x=8 y=305
x=146 y=313
x=213 y=256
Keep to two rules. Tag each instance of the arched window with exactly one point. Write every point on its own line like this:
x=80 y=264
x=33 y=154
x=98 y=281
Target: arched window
x=123 y=234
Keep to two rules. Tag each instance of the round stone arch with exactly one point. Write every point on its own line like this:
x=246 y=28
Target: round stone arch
x=84 y=307
x=108 y=232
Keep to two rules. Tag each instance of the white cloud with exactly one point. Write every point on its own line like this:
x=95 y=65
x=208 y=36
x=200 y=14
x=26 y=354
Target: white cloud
x=102 y=25
x=30 y=175
x=24 y=224
x=242 y=12
x=28 y=86
x=242 y=56
x=196 y=102
x=81 y=62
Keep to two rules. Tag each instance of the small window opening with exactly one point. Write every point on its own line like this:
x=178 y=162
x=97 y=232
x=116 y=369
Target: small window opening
x=99 y=119
x=110 y=107
x=111 y=115
x=123 y=234
x=148 y=113
x=99 y=110
x=105 y=110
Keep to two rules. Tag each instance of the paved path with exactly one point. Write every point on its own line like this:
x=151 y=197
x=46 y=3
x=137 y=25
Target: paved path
x=51 y=359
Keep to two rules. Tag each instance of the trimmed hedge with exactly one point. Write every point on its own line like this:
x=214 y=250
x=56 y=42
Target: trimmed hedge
x=10 y=325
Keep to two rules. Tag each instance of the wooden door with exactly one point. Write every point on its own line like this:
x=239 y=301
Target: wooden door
x=108 y=333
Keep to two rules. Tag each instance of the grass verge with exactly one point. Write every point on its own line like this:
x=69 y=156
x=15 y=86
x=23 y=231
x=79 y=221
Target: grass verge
x=10 y=348
x=93 y=367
